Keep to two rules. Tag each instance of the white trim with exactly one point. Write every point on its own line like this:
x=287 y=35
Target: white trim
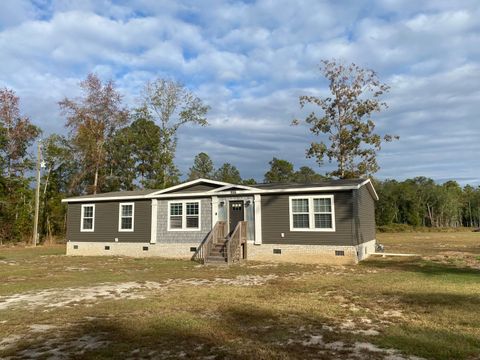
x=82 y=217
x=120 y=217
x=160 y=194
x=373 y=192
x=105 y=198
x=229 y=186
x=214 y=210
x=184 y=214
x=257 y=201
x=153 y=227
x=311 y=213
x=188 y=183
x=253 y=192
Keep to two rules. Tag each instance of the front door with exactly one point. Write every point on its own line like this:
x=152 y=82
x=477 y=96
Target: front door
x=235 y=214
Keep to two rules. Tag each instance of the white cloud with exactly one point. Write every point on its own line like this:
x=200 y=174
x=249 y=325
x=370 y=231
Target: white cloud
x=251 y=61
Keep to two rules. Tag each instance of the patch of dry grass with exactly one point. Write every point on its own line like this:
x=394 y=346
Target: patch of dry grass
x=153 y=308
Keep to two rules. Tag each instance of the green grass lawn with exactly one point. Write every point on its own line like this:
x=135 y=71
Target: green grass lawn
x=111 y=307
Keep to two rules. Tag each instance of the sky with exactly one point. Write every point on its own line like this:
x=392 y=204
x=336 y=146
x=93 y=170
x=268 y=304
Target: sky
x=251 y=60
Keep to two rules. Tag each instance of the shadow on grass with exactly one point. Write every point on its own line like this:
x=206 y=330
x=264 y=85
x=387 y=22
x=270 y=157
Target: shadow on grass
x=421 y=266
x=430 y=343
x=250 y=333
x=451 y=301
x=230 y=333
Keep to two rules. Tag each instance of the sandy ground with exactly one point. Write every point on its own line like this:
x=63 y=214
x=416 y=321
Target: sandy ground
x=54 y=298
x=55 y=346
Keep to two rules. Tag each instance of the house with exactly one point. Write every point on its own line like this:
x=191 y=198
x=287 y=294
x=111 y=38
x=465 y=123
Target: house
x=328 y=222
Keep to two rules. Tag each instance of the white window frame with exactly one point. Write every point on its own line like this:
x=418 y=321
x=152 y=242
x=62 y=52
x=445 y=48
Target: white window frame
x=184 y=215
x=82 y=218
x=120 y=217
x=311 y=213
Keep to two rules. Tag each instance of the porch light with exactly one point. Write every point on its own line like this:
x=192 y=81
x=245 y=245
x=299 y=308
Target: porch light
x=247 y=203
x=222 y=203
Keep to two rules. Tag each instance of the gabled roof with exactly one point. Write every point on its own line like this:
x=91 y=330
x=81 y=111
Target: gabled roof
x=224 y=188
x=324 y=183
x=221 y=184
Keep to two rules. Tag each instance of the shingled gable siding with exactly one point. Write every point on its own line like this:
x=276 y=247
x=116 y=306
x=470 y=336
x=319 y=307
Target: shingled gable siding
x=106 y=222
x=196 y=188
x=365 y=219
x=168 y=237
x=276 y=220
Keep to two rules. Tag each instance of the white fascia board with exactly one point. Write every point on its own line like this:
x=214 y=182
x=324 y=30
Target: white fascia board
x=109 y=198
x=258 y=191
x=188 y=183
x=371 y=188
x=226 y=187
x=226 y=193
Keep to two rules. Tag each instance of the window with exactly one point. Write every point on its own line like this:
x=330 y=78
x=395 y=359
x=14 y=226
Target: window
x=312 y=213
x=126 y=214
x=301 y=216
x=183 y=215
x=87 y=222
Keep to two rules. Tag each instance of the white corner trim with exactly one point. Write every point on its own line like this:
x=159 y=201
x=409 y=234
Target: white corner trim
x=153 y=228
x=184 y=214
x=311 y=213
x=82 y=217
x=214 y=210
x=257 y=200
x=120 y=217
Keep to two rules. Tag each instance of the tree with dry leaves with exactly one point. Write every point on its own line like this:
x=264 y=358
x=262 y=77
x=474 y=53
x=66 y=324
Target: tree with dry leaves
x=347 y=120
x=93 y=119
x=171 y=105
x=17 y=134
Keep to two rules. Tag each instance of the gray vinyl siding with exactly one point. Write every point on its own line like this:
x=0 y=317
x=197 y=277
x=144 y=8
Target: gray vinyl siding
x=276 y=220
x=178 y=237
x=106 y=222
x=365 y=216
x=197 y=188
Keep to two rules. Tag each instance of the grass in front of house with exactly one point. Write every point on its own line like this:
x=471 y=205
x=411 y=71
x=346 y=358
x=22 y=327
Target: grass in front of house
x=423 y=243
x=427 y=308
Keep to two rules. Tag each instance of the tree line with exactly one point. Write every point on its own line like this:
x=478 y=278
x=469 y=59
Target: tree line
x=422 y=202
x=110 y=147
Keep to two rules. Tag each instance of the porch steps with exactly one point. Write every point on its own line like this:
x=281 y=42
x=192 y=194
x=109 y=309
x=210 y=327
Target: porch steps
x=217 y=254
x=220 y=260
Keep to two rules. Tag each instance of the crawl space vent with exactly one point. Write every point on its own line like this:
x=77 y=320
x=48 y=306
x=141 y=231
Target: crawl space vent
x=277 y=251
x=339 y=253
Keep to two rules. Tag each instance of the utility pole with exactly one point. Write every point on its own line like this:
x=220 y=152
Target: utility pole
x=37 y=193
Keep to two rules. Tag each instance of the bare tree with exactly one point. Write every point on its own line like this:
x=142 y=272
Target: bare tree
x=347 y=119
x=171 y=106
x=93 y=119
